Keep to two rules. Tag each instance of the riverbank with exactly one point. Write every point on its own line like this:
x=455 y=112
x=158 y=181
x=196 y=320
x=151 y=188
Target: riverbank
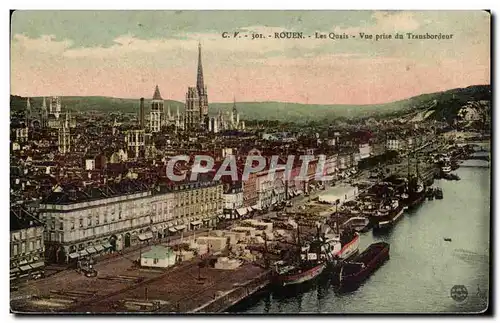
x=423 y=267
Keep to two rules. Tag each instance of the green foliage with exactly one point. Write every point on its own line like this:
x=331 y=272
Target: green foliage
x=448 y=103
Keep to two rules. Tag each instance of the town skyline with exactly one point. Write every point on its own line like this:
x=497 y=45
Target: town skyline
x=137 y=52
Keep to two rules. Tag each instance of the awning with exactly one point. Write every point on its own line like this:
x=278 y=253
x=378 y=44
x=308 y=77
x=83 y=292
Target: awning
x=25 y=268
x=99 y=248
x=206 y=220
x=73 y=255
x=83 y=252
x=107 y=245
x=196 y=222
x=37 y=264
x=14 y=270
x=172 y=230
x=242 y=211
x=91 y=250
x=180 y=227
x=145 y=236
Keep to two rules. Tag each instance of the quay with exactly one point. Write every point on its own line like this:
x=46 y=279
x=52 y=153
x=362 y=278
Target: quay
x=185 y=288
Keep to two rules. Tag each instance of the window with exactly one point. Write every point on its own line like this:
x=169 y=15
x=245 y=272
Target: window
x=89 y=221
x=38 y=244
x=105 y=218
x=61 y=224
x=73 y=225
x=15 y=250
x=81 y=223
x=120 y=215
x=32 y=246
x=23 y=247
x=97 y=220
x=155 y=261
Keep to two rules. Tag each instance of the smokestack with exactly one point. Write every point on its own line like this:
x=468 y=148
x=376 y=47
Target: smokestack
x=141 y=114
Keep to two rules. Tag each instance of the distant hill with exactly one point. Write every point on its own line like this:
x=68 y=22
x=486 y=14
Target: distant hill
x=447 y=105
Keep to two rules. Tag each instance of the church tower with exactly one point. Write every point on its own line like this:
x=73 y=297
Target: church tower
x=44 y=114
x=64 y=136
x=202 y=91
x=156 y=111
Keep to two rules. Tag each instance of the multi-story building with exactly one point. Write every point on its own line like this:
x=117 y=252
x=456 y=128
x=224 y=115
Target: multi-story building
x=393 y=144
x=196 y=204
x=26 y=244
x=270 y=189
x=365 y=150
x=136 y=142
x=233 y=200
x=119 y=215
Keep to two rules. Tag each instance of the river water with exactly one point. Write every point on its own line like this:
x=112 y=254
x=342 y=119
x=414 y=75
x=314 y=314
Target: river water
x=423 y=267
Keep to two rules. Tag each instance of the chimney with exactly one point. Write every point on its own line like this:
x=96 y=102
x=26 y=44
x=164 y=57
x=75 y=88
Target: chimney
x=141 y=114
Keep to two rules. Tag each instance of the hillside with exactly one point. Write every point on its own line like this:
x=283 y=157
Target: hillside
x=444 y=105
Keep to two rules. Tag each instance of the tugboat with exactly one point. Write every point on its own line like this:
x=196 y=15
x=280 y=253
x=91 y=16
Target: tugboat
x=388 y=214
x=307 y=267
x=352 y=274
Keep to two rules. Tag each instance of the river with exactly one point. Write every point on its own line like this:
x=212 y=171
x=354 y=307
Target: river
x=423 y=267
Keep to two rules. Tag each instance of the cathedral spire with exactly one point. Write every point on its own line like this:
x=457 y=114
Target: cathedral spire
x=199 y=79
x=157 y=95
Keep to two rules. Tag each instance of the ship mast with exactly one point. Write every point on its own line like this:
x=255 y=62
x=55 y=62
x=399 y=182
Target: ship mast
x=299 y=247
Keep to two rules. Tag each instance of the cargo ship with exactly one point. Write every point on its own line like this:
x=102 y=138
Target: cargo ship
x=307 y=266
x=338 y=247
x=416 y=193
x=352 y=274
x=387 y=215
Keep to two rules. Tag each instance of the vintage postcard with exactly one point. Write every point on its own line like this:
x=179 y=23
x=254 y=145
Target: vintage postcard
x=244 y=162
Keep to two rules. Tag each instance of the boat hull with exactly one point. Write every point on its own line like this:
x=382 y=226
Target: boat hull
x=389 y=221
x=299 y=278
x=379 y=255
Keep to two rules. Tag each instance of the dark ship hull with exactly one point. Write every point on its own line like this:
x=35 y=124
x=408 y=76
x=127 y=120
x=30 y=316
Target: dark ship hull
x=354 y=273
x=388 y=221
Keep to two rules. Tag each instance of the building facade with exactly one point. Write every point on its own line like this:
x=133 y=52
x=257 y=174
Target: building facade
x=136 y=142
x=114 y=218
x=26 y=245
